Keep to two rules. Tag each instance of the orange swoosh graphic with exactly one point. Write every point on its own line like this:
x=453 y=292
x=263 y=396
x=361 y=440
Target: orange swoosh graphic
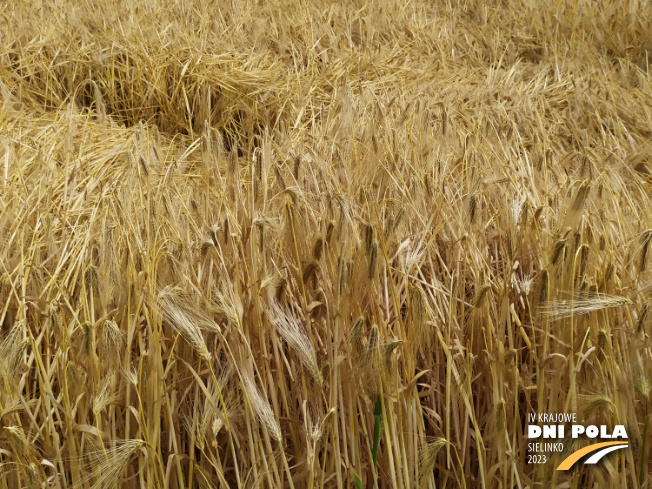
x=575 y=456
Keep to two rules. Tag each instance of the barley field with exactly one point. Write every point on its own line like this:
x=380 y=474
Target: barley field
x=274 y=244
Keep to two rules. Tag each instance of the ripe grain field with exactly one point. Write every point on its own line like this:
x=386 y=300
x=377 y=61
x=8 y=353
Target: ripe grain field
x=322 y=244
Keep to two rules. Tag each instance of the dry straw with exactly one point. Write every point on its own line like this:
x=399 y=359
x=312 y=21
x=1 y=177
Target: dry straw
x=346 y=244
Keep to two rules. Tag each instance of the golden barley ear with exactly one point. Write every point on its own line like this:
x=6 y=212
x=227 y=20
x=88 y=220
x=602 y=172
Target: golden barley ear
x=296 y=337
x=604 y=345
x=309 y=272
x=371 y=354
x=22 y=448
x=427 y=461
x=368 y=237
x=12 y=351
x=112 y=343
x=280 y=289
x=591 y=405
x=329 y=231
x=419 y=313
x=261 y=407
x=642 y=376
x=106 y=396
x=558 y=251
x=318 y=248
x=104 y=467
x=373 y=260
x=480 y=296
x=186 y=319
x=645 y=238
x=473 y=206
x=581 y=302
x=388 y=350
x=583 y=259
x=581 y=196
x=644 y=316
x=356 y=338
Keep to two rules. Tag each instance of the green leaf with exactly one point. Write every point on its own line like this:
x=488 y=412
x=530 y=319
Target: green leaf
x=358 y=482
x=378 y=428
